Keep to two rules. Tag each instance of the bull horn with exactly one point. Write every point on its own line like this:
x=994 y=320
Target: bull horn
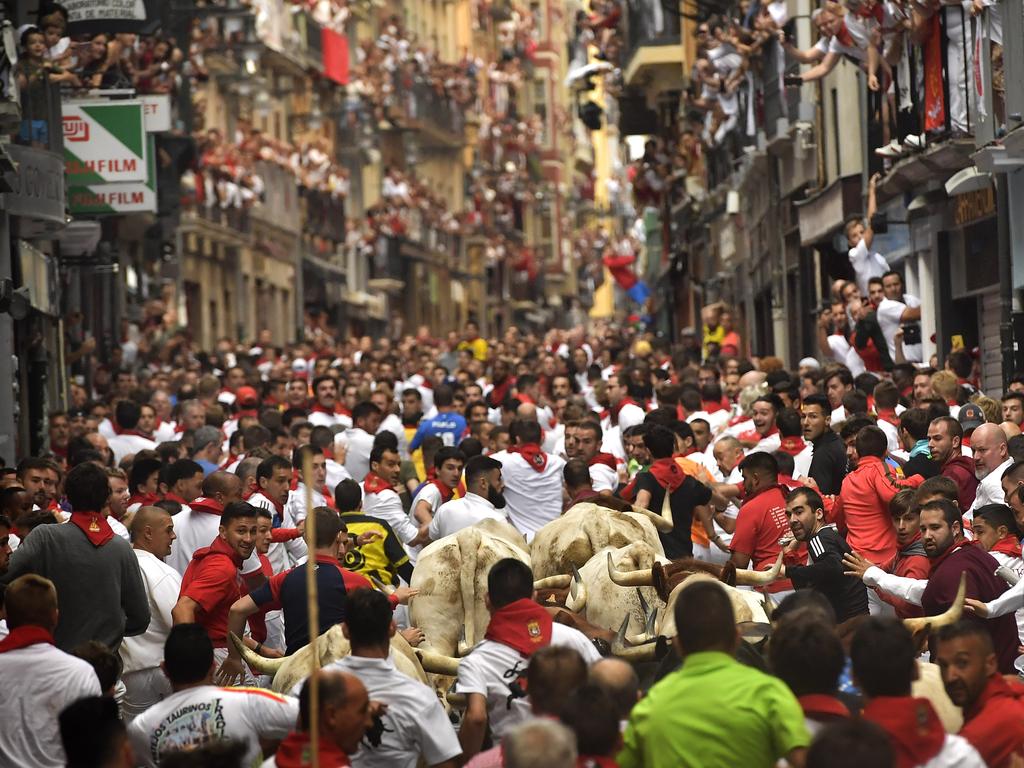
x=660 y=523
x=553 y=582
x=577 y=593
x=758 y=578
x=437 y=663
x=950 y=616
x=257 y=663
x=645 y=652
x=380 y=586
x=642 y=578
x=456 y=700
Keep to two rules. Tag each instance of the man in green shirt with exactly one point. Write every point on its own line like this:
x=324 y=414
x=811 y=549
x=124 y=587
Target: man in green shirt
x=713 y=712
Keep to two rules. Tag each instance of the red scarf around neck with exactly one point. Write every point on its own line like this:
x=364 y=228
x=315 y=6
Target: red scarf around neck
x=23 y=637
x=522 y=625
x=533 y=454
x=255 y=490
x=296 y=752
x=207 y=505
x=95 y=527
x=374 y=483
x=1008 y=545
x=915 y=730
x=172 y=496
x=792 y=445
x=604 y=458
x=145 y=499
x=444 y=490
x=136 y=432
x=668 y=473
x=620 y=405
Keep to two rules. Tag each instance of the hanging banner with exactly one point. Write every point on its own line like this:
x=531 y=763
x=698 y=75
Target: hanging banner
x=104 y=142
x=112 y=16
x=108 y=199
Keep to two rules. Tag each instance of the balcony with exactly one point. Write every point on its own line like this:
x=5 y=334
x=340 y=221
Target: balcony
x=387 y=270
x=421 y=107
x=653 y=48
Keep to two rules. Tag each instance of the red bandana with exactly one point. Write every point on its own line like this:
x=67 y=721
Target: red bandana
x=845 y=37
x=23 y=637
x=499 y=391
x=604 y=458
x=94 y=526
x=712 y=406
x=255 y=490
x=821 y=707
x=444 y=490
x=295 y=752
x=135 y=432
x=913 y=727
x=522 y=625
x=1008 y=545
x=374 y=483
x=668 y=473
x=172 y=496
x=145 y=499
x=207 y=505
x=888 y=414
x=792 y=445
x=622 y=404
x=533 y=455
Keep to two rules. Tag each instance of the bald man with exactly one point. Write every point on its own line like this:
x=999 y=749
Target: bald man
x=620 y=681
x=344 y=717
x=152 y=532
x=991 y=459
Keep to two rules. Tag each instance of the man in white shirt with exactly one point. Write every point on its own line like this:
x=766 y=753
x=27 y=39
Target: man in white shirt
x=859 y=235
x=200 y=524
x=991 y=459
x=448 y=464
x=144 y=681
x=273 y=476
x=623 y=411
x=198 y=712
x=491 y=675
x=765 y=434
x=128 y=440
x=184 y=482
x=533 y=479
x=583 y=441
x=414 y=724
x=359 y=439
x=325 y=412
x=484 y=500
x=37 y=679
x=896 y=310
x=381 y=500
x=296 y=504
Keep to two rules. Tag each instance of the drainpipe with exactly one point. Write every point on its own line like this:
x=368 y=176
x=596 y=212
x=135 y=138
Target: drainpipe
x=1006 y=341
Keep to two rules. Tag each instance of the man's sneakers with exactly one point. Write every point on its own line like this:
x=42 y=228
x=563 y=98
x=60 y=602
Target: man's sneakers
x=894 y=149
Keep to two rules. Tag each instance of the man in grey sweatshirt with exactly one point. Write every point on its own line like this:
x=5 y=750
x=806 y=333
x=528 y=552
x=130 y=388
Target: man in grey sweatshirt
x=100 y=594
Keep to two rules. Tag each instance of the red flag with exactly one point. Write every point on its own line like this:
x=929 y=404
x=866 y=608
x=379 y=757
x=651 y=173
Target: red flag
x=335 y=50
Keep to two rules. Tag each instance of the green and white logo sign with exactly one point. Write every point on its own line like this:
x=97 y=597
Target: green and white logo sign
x=126 y=197
x=104 y=142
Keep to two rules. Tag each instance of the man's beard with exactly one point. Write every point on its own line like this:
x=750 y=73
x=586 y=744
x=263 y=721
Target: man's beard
x=981 y=473
x=497 y=498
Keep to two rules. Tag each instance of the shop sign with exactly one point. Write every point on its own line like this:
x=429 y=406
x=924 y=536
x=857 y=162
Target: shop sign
x=972 y=206
x=125 y=197
x=104 y=142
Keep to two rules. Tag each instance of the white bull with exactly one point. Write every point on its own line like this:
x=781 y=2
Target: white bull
x=587 y=528
x=451 y=576
x=333 y=645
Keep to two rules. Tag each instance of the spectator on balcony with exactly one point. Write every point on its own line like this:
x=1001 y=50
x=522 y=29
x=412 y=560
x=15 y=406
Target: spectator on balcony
x=35 y=76
x=59 y=50
x=101 y=64
x=846 y=37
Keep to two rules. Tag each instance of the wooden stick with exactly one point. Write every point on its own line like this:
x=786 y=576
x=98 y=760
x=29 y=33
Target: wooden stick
x=313 y=612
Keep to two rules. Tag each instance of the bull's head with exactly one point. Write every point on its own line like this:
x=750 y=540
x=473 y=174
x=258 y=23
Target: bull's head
x=576 y=600
x=644 y=577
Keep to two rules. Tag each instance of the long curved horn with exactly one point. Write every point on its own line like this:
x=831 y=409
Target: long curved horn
x=642 y=578
x=950 y=616
x=646 y=652
x=666 y=509
x=577 y=600
x=380 y=586
x=553 y=582
x=758 y=578
x=456 y=700
x=660 y=523
x=437 y=663
x=256 y=662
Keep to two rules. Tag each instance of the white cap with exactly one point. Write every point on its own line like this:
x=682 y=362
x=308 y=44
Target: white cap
x=809 y=362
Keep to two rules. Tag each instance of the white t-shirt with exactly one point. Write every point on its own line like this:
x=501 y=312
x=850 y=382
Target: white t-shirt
x=286 y=554
x=335 y=473
x=451 y=517
x=415 y=723
x=197 y=716
x=387 y=505
x=430 y=494
x=802 y=462
x=629 y=416
x=321 y=419
x=163 y=584
x=357 y=458
x=990 y=489
x=38 y=682
x=534 y=498
x=296 y=504
x=491 y=666
x=603 y=477
x=889 y=313
x=393 y=423
x=128 y=445
x=865 y=263
x=118 y=528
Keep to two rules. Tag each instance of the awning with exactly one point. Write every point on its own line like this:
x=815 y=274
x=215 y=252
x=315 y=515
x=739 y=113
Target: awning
x=823 y=213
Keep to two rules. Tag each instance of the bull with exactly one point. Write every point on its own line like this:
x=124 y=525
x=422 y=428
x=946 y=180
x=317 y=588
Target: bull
x=587 y=528
x=288 y=671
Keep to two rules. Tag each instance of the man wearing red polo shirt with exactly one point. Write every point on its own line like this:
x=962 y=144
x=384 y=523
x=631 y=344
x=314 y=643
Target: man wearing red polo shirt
x=763 y=522
x=212 y=581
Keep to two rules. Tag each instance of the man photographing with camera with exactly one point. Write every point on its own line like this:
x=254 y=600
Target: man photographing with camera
x=900 y=311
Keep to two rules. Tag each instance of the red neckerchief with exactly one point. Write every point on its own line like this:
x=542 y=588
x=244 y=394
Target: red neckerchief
x=23 y=637
x=710 y=406
x=792 y=445
x=737 y=420
x=522 y=625
x=620 y=405
x=232 y=458
x=328 y=498
x=296 y=752
x=145 y=499
x=668 y=473
x=604 y=458
x=525 y=398
x=1009 y=545
x=135 y=432
x=218 y=547
x=845 y=37
x=914 y=729
x=207 y=505
x=172 y=496
x=532 y=454
x=888 y=415
x=498 y=392
x=278 y=507
x=585 y=495
x=444 y=490
x=317 y=408
x=681 y=413
x=95 y=527
x=252 y=490
x=822 y=707
x=374 y=483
